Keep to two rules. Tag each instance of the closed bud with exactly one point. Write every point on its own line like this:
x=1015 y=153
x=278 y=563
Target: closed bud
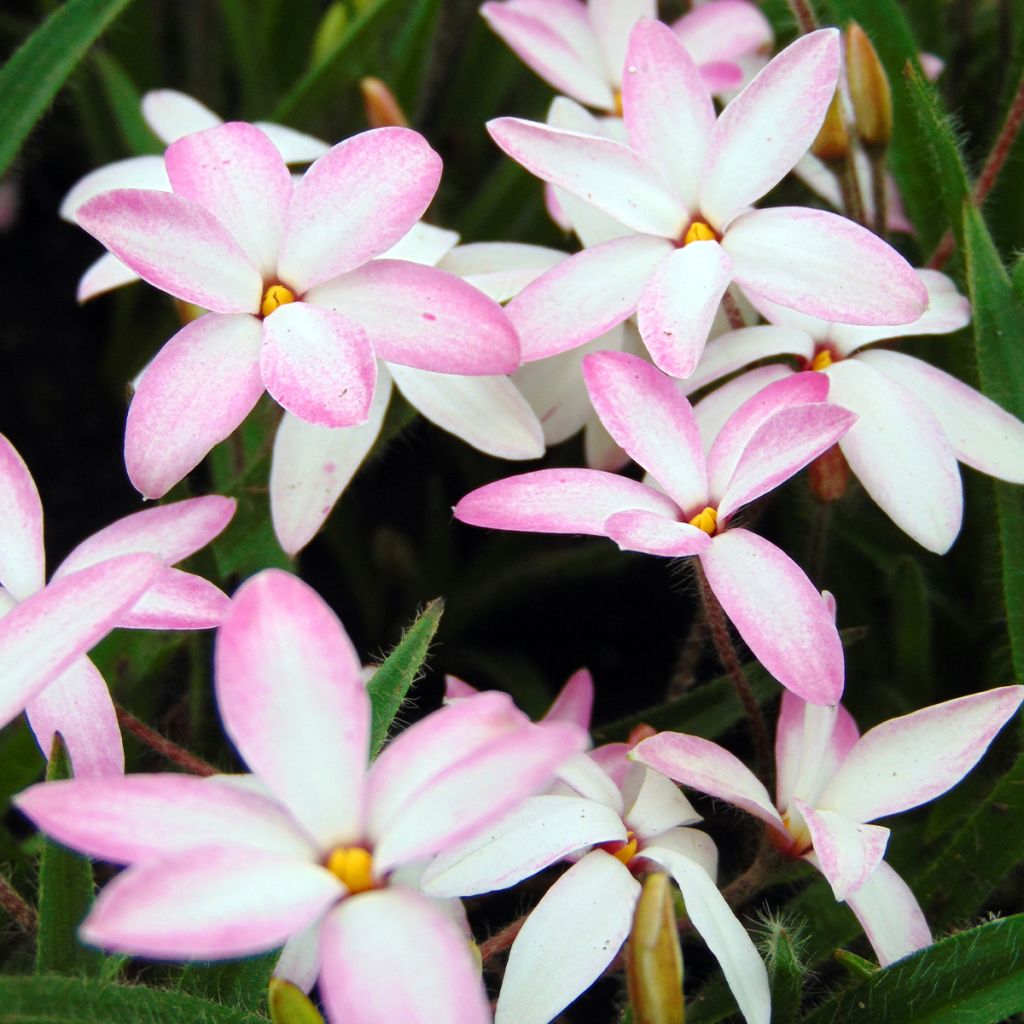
x=290 y=1005
x=869 y=90
x=382 y=109
x=654 y=961
x=833 y=141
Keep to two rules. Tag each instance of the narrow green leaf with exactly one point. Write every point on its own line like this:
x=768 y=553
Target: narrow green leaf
x=239 y=983
x=970 y=978
x=391 y=682
x=911 y=632
x=34 y=74
x=65 y=896
x=856 y=965
x=125 y=102
x=290 y=1005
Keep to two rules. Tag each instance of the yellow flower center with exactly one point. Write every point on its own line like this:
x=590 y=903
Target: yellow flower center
x=706 y=521
x=698 y=231
x=627 y=851
x=276 y=295
x=353 y=866
x=822 y=361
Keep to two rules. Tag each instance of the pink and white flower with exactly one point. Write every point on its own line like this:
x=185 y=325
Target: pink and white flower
x=299 y=306
x=831 y=783
x=121 y=576
x=773 y=605
x=684 y=186
x=312 y=849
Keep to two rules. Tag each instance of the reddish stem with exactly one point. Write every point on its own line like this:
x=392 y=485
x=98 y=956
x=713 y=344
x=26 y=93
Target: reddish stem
x=500 y=941
x=162 y=745
x=20 y=912
x=805 y=18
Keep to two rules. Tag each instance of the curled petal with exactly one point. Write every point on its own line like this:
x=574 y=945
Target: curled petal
x=735 y=349
x=848 y=852
x=655 y=804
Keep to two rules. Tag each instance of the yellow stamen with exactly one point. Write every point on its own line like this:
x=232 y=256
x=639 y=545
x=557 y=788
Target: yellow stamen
x=706 y=520
x=618 y=103
x=698 y=231
x=353 y=866
x=628 y=851
x=276 y=295
x=822 y=361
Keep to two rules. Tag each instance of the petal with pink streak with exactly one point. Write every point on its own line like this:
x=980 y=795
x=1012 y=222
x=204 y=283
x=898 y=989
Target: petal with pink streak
x=209 y=903
x=667 y=107
x=825 y=265
x=172 y=114
x=678 y=305
x=49 y=631
x=178 y=600
x=723 y=30
x=311 y=467
x=735 y=349
x=771 y=124
x=613 y=20
x=318 y=364
x=983 y=434
x=568 y=940
x=890 y=915
x=292 y=699
x=708 y=768
x=135 y=172
x=106 y=274
x=294 y=147
x=539 y=832
x=559 y=501
x=500 y=269
x=848 y=852
x=423 y=317
x=601 y=171
x=645 y=413
x=910 y=760
x=717 y=925
x=22 y=558
x=140 y=817
x=366 y=936
x=714 y=410
x=236 y=172
x=355 y=202
x=77 y=705
x=778 y=612
x=900 y=453
x=200 y=386
x=575 y=701
x=585 y=296
x=654 y=534
x=176 y=245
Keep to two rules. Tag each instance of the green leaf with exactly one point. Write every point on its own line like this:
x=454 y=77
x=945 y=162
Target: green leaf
x=65 y=896
x=290 y=1005
x=34 y=74
x=911 y=631
x=970 y=978
x=856 y=965
x=391 y=682
x=56 y=1000
x=785 y=972
x=125 y=102
x=240 y=983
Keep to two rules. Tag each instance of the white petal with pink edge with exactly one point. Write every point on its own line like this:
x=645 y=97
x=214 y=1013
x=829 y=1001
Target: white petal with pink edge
x=735 y=349
x=292 y=699
x=178 y=600
x=655 y=534
x=910 y=760
x=654 y=803
x=500 y=269
x=723 y=30
x=106 y=274
x=575 y=701
x=613 y=20
x=22 y=557
x=848 y=852
x=135 y=172
x=423 y=243
x=890 y=915
x=172 y=114
x=694 y=845
x=294 y=147
x=714 y=410
x=589 y=776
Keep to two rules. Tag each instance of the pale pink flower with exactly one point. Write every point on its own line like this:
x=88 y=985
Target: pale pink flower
x=314 y=850
x=684 y=186
x=773 y=605
x=831 y=784
x=121 y=576
x=299 y=306
x=613 y=821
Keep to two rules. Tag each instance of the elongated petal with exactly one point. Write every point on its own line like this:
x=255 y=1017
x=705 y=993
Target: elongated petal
x=723 y=30
x=209 y=903
x=22 y=558
x=318 y=364
x=591 y=775
x=694 y=845
x=355 y=202
x=734 y=350
x=655 y=804
x=571 y=936
x=295 y=147
x=575 y=701
x=654 y=534
x=771 y=124
x=605 y=173
x=487 y=412
x=172 y=114
x=900 y=453
x=77 y=705
x=825 y=265
x=236 y=172
x=778 y=612
x=708 y=768
x=677 y=306
x=714 y=410
x=613 y=20
x=177 y=246
x=848 y=852
x=363 y=940
x=49 y=631
x=667 y=107
x=424 y=317
x=200 y=386
x=500 y=269
x=135 y=172
x=541 y=831
x=312 y=466
x=585 y=296
x=107 y=273
x=891 y=917
x=293 y=701
x=717 y=925
x=983 y=434
x=178 y=600
x=910 y=760
x=141 y=817
x=645 y=413
x=559 y=501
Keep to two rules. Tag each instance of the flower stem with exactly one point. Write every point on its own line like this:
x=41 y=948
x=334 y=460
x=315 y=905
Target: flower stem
x=500 y=941
x=19 y=910
x=805 y=18
x=878 y=195
x=732 y=311
x=164 y=747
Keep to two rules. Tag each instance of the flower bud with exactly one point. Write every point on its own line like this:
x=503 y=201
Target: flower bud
x=382 y=109
x=654 y=961
x=829 y=475
x=785 y=968
x=290 y=1005
x=869 y=90
x=833 y=141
